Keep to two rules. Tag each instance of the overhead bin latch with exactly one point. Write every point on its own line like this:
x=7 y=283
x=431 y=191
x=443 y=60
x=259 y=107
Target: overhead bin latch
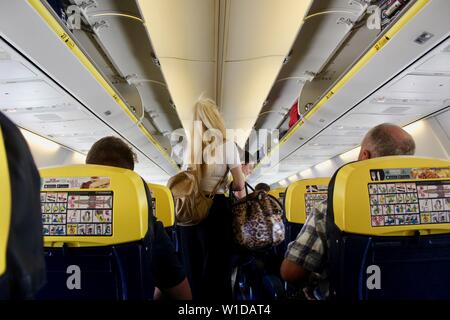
x=99 y=24
x=132 y=79
x=362 y=3
x=309 y=76
x=155 y=60
x=347 y=21
x=85 y=5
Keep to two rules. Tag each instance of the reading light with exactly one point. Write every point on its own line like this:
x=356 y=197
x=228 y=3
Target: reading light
x=424 y=37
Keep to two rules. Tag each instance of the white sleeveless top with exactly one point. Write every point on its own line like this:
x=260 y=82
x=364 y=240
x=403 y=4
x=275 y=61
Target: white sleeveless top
x=227 y=156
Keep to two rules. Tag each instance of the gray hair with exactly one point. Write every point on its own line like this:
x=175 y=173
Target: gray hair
x=389 y=140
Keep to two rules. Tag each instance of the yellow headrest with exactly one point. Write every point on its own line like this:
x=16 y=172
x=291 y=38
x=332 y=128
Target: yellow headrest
x=301 y=196
x=278 y=193
x=89 y=205
x=163 y=204
x=394 y=196
x=5 y=204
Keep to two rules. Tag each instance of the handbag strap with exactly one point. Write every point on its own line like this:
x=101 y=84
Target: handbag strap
x=233 y=196
x=213 y=193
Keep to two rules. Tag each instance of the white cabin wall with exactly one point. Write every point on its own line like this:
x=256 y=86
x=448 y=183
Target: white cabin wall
x=432 y=141
x=47 y=153
x=443 y=123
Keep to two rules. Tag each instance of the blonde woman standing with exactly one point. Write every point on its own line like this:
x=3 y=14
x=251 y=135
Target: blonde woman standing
x=206 y=247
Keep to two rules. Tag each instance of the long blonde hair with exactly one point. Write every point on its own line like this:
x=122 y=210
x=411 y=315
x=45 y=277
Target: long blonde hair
x=207 y=112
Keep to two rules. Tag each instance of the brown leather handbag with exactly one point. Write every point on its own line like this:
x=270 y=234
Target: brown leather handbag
x=191 y=204
x=257 y=220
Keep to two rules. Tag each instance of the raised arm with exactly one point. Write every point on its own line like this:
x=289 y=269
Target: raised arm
x=238 y=179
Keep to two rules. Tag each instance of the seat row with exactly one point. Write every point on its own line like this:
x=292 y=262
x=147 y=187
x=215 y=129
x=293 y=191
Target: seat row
x=388 y=227
x=388 y=230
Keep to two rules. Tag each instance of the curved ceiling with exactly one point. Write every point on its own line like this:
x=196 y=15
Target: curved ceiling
x=228 y=50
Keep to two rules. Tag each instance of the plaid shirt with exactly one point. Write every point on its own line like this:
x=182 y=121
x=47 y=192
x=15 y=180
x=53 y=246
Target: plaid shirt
x=308 y=249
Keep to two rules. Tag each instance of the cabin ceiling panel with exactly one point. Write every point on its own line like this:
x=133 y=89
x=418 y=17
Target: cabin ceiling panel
x=245 y=86
x=370 y=120
x=11 y=92
x=398 y=109
x=14 y=70
x=436 y=64
x=261 y=28
x=46 y=114
x=187 y=82
x=181 y=29
x=348 y=131
x=422 y=84
x=331 y=140
x=322 y=150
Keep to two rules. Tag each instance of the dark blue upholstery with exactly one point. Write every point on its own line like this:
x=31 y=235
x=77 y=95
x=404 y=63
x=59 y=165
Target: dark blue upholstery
x=115 y=272
x=258 y=276
x=172 y=233
x=411 y=267
x=109 y=273
x=292 y=231
x=25 y=267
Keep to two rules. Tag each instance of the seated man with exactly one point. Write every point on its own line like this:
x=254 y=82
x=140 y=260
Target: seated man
x=304 y=260
x=168 y=273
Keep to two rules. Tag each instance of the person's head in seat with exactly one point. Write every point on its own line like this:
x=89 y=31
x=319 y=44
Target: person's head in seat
x=262 y=187
x=305 y=256
x=167 y=270
x=112 y=151
x=386 y=140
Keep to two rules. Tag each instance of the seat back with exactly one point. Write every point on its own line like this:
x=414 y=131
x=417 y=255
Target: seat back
x=164 y=208
x=5 y=205
x=388 y=229
x=278 y=193
x=97 y=233
x=301 y=196
x=22 y=266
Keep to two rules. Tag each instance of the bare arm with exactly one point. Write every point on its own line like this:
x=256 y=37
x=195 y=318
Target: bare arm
x=238 y=179
x=181 y=291
x=240 y=194
x=292 y=272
